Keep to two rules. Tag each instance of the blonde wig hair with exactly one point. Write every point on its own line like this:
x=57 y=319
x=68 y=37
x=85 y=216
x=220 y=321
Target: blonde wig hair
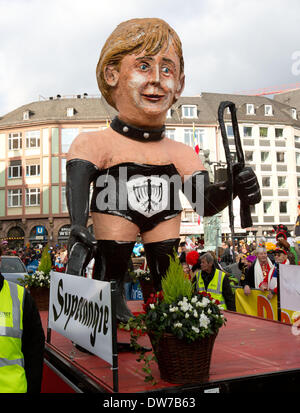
x=133 y=37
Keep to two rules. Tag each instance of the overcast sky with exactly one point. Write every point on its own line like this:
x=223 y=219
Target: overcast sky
x=50 y=47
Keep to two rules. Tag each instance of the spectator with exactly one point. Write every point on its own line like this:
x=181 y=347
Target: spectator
x=216 y=281
x=262 y=267
x=182 y=256
x=21 y=359
x=228 y=256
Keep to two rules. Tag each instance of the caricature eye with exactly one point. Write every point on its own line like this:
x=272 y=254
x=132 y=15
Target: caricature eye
x=166 y=70
x=143 y=66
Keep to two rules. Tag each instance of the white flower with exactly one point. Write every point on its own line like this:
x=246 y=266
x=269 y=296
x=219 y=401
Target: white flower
x=165 y=315
x=185 y=307
x=196 y=329
x=152 y=306
x=194 y=299
x=195 y=314
x=204 y=321
x=173 y=309
x=187 y=315
x=177 y=325
x=205 y=302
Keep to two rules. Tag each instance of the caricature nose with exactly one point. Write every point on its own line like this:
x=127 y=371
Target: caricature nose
x=155 y=74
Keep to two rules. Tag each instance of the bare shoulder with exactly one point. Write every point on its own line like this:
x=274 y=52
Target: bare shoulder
x=187 y=161
x=87 y=145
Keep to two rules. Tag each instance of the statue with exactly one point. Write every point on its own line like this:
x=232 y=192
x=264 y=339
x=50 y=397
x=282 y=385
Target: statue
x=136 y=171
x=211 y=224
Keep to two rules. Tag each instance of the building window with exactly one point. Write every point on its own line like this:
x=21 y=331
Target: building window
x=247 y=131
x=64 y=207
x=33 y=139
x=266 y=181
x=33 y=170
x=267 y=205
x=15 y=141
x=192 y=139
x=298 y=158
x=67 y=137
x=233 y=157
x=70 y=112
x=250 y=109
x=281 y=180
x=26 y=115
x=15 y=169
x=189 y=111
x=268 y=110
x=170 y=133
x=283 y=207
x=63 y=169
x=264 y=156
x=294 y=113
x=229 y=130
x=248 y=156
x=278 y=133
x=280 y=156
x=298 y=181
x=263 y=132
x=32 y=197
x=14 y=198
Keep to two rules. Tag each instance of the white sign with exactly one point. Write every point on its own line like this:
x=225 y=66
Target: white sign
x=80 y=309
x=289 y=276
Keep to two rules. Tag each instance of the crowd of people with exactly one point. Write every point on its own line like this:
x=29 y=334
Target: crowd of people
x=248 y=265
x=31 y=255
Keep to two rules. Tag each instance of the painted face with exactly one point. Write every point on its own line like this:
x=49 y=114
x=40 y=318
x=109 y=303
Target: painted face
x=147 y=86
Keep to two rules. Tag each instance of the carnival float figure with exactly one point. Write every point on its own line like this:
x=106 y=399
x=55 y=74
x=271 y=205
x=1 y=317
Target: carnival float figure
x=135 y=169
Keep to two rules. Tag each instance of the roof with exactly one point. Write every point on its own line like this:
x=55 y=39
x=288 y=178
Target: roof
x=281 y=111
x=97 y=109
x=291 y=98
x=54 y=110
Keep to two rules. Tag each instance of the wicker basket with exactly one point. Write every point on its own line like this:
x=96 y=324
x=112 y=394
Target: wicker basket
x=183 y=362
x=41 y=297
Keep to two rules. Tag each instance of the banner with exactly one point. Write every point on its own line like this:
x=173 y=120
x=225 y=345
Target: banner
x=290 y=286
x=80 y=309
x=257 y=304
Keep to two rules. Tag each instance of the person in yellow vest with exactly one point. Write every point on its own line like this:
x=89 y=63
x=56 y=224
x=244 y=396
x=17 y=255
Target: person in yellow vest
x=22 y=340
x=213 y=280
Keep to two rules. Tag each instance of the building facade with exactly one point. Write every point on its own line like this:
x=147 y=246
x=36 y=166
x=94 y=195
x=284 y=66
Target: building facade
x=35 y=138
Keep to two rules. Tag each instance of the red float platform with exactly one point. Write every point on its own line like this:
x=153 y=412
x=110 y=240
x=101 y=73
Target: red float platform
x=250 y=354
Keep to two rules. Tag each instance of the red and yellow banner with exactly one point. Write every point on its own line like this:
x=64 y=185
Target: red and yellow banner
x=257 y=304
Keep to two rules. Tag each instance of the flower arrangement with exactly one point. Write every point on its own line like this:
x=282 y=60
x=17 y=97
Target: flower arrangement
x=179 y=310
x=38 y=279
x=41 y=278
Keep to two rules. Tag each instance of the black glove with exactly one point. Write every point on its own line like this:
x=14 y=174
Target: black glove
x=81 y=243
x=246 y=186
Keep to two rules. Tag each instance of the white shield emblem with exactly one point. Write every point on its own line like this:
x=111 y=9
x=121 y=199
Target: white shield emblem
x=147 y=195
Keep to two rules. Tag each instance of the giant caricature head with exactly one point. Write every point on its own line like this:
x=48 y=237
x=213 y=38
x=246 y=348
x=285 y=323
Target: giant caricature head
x=136 y=37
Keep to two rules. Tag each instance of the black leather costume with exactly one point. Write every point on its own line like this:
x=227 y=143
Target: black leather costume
x=145 y=209
x=143 y=194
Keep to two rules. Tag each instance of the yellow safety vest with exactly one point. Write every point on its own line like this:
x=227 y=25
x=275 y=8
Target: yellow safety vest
x=12 y=372
x=215 y=287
